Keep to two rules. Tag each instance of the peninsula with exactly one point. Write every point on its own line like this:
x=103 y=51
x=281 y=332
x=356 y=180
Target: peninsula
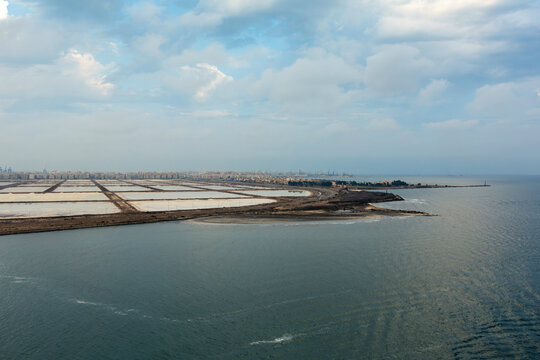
x=67 y=201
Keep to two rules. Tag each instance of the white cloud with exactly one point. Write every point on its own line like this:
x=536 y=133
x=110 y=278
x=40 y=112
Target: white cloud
x=471 y=28
x=316 y=82
x=198 y=81
x=145 y=13
x=3 y=9
x=113 y=46
x=432 y=92
x=214 y=54
x=25 y=40
x=149 y=45
x=443 y=9
x=510 y=99
x=87 y=68
x=396 y=70
x=441 y=18
x=453 y=124
x=73 y=75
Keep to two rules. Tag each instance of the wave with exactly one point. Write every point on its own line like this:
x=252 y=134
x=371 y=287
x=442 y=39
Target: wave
x=279 y=340
x=16 y=279
x=287 y=337
x=122 y=312
x=83 y=302
x=416 y=201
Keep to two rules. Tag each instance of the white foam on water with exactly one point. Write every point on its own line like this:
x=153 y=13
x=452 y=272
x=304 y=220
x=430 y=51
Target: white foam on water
x=279 y=340
x=16 y=279
x=83 y=302
x=121 y=312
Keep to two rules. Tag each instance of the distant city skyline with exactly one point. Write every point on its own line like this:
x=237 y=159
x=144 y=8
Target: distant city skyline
x=355 y=86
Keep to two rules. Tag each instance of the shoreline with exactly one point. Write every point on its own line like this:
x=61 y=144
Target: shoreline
x=322 y=204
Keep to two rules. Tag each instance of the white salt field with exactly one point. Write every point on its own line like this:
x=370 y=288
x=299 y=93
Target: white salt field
x=275 y=193
x=126 y=188
x=22 y=210
x=76 y=188
x=217 y=187
x=170 y=205
x=145 y=182
x=77 y=183
x=20 y=189
x=37 y=184
x=191 y=184
x=83 y=197
x=177 y=195
x=141 y=182
x=172 y=187
x=97 y=196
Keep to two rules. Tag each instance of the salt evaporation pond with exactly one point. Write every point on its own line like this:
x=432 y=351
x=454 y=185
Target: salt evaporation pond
x=28 y=189
x=96 y=196
x=217 y=187
x=251 y=187
x=126 y=188
x=178 y=195
x=28 y=210
x=76 y=189
x=171 y=205
x=142 y=182
x=40 y=183
x=275 y=193
x=172 y=188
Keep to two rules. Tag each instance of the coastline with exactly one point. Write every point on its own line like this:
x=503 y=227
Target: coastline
x=322 y=204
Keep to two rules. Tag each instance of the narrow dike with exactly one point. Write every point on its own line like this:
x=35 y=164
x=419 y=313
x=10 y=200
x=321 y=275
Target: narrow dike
x=120 y=203
x=54 y=187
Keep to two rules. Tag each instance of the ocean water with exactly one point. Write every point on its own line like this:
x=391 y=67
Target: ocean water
x=461 y=285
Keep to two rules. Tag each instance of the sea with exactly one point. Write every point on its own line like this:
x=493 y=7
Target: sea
x=464 y=284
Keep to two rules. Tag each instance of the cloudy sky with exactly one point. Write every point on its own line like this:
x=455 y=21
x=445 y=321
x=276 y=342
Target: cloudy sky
x=363 y=86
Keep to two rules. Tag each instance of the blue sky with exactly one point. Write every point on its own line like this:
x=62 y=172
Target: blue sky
x=389 y=86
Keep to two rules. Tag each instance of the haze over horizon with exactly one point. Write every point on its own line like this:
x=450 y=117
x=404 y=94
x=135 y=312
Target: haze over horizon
x=372 y=87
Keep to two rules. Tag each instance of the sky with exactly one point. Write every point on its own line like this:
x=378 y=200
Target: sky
x=357 y=86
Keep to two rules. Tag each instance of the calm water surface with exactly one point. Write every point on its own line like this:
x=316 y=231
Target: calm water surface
x=461 y=285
